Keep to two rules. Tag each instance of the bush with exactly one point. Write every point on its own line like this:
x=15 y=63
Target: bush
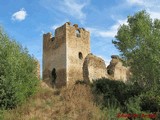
x=128 y=98
x=134 y=108
x=133 y=105
x=150 y=102
x=108 y=92
x=144 y=104
x=114 y=91
x=17 y=73
x=111 y=112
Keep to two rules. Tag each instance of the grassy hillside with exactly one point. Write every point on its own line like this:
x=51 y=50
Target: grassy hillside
x=72 y=103
x=104 y=99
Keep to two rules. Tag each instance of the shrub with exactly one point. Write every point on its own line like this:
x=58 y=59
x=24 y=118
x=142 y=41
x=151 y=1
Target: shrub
x=111 y=91
x=150 y=101
x=111 y=112
x=17 y=73
x=134 y=108
x=133 y=105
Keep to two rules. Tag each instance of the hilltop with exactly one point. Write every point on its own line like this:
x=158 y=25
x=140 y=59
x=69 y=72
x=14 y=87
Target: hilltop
x=72 y=103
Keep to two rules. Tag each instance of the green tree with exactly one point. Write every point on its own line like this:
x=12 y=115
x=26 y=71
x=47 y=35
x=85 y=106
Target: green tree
x=139 y=45
x=17 y=73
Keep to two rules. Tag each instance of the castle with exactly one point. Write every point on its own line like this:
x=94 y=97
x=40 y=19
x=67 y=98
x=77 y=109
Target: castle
x=67 y=58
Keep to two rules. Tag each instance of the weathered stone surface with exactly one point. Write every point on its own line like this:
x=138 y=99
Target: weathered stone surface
x=64 y=53
x=93 y=68
x=116 y=69
x=78 y=47
x=54 y=57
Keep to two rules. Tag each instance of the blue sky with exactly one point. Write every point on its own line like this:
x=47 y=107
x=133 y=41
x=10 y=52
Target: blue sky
x=27 y=20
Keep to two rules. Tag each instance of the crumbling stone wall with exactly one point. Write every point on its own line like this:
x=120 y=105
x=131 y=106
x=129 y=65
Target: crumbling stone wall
x=93 y=68
x=116 y=69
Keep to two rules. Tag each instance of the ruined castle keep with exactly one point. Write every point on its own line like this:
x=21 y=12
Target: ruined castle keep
x=67 y=58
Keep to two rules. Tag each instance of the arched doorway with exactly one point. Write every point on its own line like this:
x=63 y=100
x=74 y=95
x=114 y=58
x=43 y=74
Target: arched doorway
x=54 y=76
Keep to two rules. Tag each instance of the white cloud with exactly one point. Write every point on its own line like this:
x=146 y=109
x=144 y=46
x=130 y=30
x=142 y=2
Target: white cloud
x=19 y=15
x=137 y=2
x=151 y=6
x=73 y=8
x=154 y=14
x=53 y=27
x=111 y=32
x=144 y=3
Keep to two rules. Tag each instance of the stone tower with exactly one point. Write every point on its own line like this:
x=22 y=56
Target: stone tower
x=64 y=54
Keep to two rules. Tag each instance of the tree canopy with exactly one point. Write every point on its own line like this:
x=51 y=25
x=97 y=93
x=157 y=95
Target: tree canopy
x=139 y=44
x=17 y=72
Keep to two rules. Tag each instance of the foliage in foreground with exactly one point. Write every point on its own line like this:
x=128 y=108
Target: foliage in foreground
x=82 y=101
x=127 y=98
x=115 y=91
x=18 y=78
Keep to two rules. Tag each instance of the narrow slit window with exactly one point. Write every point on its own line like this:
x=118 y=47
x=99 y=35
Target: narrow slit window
x=80 y=55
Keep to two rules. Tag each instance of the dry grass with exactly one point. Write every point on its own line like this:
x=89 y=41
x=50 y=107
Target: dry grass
x=78 y=103
x=72 y=103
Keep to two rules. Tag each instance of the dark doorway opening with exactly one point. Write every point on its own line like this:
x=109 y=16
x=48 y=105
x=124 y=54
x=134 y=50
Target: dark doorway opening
x=54 y=76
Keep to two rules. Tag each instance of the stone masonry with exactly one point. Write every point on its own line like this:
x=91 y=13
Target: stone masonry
x=67 y=58
x=94 y=68
x=116 y=70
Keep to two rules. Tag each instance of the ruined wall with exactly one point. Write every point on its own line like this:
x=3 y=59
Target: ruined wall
x=116 y=69
x=54 y=57
x=78 y=47
x=94 y=68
